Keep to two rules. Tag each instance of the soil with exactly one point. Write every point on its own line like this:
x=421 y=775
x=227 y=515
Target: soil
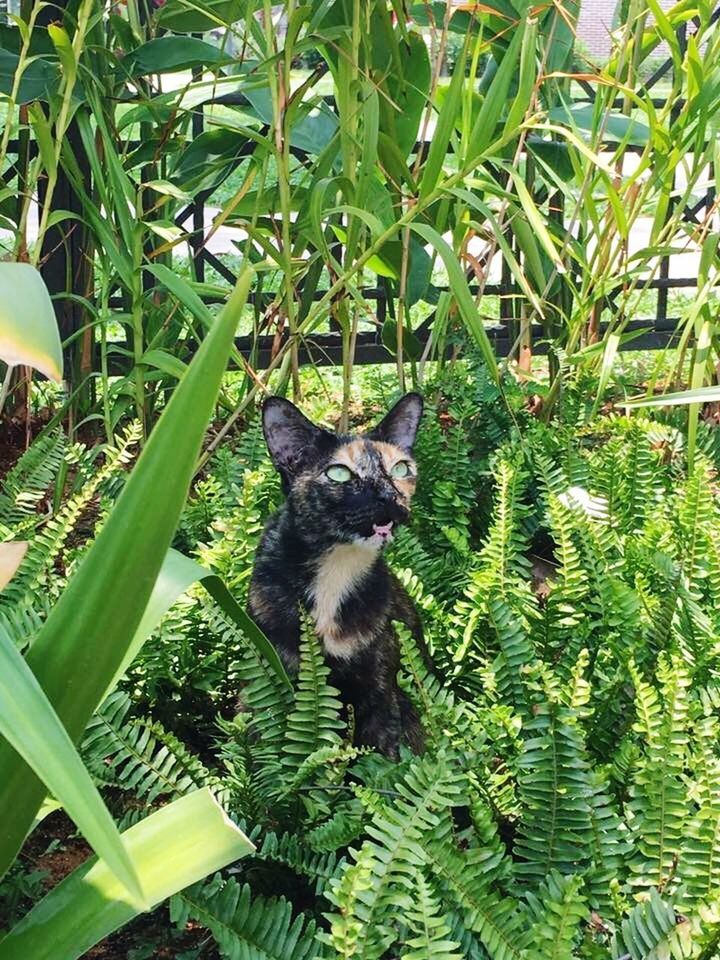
x=56 y=849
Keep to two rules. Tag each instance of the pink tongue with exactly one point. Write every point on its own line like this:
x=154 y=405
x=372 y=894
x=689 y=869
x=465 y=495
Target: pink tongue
x=384 y=530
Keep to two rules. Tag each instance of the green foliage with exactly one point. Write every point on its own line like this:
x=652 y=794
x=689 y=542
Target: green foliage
x=567 y=805
x=246 y=927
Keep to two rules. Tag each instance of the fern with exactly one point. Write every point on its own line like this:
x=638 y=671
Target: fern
x=430 y=930
x=555 y=831
x=497 y=921
x=246 y=927
x=314 y=721
x=652 y=931
x=558 y=908
x=660 y=798
x=289 y=850
x=138 y=755
x=48 y=543
x=392 y=855
x=699 y=867
x=28 y=481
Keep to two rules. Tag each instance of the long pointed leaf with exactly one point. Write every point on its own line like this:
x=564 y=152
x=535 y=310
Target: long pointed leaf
x=177 y=574
x=84 y=640
x=30 y=724
x=171 y=849
x=461 y=292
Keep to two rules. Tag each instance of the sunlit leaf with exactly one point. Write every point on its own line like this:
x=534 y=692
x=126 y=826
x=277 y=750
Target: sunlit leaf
x=28 y=329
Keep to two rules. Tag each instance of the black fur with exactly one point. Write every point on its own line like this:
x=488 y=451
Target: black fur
x=326 y=528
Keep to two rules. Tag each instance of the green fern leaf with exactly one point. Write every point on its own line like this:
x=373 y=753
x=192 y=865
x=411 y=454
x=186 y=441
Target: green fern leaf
x=430 y=939
x=246 y=927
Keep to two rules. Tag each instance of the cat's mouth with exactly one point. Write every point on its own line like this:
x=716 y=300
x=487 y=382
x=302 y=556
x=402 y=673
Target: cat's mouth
x=379 y=535
x=384 y=531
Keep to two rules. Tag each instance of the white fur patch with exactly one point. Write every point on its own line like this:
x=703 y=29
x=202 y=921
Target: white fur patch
x=340 y=569
x=345 y=647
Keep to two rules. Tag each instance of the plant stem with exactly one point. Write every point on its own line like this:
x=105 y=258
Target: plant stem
x=5 y=389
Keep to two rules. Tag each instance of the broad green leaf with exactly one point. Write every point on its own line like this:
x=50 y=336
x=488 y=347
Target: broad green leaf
x=30 y=724
x=177 y=574
x=461 y=292
x=11 y=556
x=85 y=638
x=39 y=80
x=616 y=126
x=199 y=16
x=412 y=347
x=402 y=112
x=171 y=849
x=28 y=329
x=168 y=54
x=376 y=263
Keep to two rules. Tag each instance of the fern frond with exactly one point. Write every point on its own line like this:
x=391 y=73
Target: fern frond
x=555 y=831
x=246 y=927
x=495 y=920
x=314 y=722
x=343 y=827
x=699 y=867
x=28 y=481
x=653 y=931
x=659 y=804
x=47 y=544
x=288 y=849
x=430 y=930
x=137 y=755
x=393 y=855
x=558 y=908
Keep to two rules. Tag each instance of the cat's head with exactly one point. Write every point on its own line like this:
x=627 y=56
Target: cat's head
x=345 y=488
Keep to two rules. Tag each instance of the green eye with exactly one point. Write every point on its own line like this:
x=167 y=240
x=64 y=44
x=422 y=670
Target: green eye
x=338 y=473
x=400 y=470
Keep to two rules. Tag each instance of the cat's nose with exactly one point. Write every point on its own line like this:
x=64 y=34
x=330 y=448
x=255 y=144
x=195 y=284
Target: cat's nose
x=390 y=511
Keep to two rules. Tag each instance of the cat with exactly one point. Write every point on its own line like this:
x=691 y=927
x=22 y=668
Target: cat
x=322 y=552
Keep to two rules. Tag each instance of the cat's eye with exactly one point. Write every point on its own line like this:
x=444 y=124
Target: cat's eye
x=400 y=470
x=338 y=473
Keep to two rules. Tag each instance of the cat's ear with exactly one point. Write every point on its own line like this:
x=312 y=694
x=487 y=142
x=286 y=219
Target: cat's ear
x=291 y=438
x=399 y=426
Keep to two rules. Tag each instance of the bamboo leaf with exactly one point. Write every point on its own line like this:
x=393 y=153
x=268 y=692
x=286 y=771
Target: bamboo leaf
x=461 y=292
x=682 y=397
x=447 y=117
x=496 y=96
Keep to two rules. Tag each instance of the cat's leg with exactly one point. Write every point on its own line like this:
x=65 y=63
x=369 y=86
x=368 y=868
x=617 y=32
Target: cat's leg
x=384 y=716
x=275 y=611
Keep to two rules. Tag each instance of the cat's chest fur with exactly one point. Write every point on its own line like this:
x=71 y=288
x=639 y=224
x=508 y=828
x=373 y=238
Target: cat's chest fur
x=340 y=573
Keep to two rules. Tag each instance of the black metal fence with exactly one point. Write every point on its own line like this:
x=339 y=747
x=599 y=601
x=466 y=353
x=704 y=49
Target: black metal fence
x=64 y=265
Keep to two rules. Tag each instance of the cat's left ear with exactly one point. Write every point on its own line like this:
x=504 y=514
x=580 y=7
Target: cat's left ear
x=400 y=425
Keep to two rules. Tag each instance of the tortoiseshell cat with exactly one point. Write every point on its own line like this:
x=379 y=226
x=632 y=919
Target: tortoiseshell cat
x=323 y=551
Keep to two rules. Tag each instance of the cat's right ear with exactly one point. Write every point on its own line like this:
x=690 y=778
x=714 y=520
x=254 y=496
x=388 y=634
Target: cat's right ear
x=291 y=438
